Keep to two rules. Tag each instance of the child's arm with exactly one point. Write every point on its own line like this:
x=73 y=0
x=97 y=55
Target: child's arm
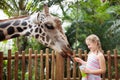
x=79 y=60
x=102 y=66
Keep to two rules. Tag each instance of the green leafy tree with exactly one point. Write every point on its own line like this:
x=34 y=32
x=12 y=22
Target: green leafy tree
x=15 y=8
x=92 y=17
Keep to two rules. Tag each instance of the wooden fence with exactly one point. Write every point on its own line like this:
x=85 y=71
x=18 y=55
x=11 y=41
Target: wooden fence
x=51 y=66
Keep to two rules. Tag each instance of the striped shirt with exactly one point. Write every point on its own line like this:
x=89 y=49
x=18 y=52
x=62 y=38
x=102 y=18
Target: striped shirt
x=93 y=63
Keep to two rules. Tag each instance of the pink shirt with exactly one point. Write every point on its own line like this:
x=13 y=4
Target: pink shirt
x=93 y=63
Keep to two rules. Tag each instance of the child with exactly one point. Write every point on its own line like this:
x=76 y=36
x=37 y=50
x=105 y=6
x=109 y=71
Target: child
x=95 y=65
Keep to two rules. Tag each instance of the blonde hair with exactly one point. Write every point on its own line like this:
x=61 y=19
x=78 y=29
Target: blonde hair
x=94 y=38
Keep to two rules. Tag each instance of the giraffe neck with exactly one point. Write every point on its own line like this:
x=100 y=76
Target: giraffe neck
x=15 y=27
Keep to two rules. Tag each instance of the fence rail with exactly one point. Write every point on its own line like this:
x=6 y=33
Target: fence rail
x=51 y=66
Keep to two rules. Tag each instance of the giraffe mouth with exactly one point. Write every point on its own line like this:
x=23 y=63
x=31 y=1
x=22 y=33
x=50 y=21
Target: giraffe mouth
x=67 y=53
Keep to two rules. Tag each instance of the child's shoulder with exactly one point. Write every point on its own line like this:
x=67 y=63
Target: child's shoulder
x=100 y=54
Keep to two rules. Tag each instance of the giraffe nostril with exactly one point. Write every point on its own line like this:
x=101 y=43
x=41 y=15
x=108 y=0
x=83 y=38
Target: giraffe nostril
x=68 y=46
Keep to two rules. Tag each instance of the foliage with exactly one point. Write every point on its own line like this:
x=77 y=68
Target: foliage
x=14 y=8
x=93 y=17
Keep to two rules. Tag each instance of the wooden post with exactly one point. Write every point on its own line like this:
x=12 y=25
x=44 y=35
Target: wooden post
x=85 y=55
x=103 y=75
x=9 y=65
x=41 y=66
x=30 y=65
x=47 y=64
x=109 y=65
x=68 y=68
x=74 y=66
x=116 y=64
x=80 y=56
x=16 y=66
x=36 y=65
x=23 y=65
x=53 y=66
x=59 y=67
x=1 y=65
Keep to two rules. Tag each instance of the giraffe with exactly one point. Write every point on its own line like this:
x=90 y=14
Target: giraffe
x=42 y=26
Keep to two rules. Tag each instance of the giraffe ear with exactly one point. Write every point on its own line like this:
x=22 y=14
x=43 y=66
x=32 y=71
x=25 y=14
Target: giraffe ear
x=46 y=10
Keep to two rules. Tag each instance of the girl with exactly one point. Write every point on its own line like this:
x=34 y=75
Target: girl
x=95 y=65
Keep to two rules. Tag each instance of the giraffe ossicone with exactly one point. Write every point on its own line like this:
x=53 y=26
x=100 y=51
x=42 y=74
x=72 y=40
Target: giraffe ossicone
x=43 y=26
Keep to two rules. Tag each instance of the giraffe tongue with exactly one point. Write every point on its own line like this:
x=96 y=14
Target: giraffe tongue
x=71 y=58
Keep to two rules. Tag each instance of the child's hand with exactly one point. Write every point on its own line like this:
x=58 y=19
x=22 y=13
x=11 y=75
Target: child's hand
x=77 y=59
x=80 y=60
x=86 y=70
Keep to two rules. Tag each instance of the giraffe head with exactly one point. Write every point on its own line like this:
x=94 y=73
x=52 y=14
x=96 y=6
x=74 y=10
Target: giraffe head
x=50 y=33
x=43 y=26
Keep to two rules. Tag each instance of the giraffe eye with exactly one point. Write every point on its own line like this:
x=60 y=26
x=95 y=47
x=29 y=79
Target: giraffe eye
x=49 y=26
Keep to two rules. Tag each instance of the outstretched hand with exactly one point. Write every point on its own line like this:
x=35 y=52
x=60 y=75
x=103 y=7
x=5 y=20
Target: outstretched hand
x=77 y=59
